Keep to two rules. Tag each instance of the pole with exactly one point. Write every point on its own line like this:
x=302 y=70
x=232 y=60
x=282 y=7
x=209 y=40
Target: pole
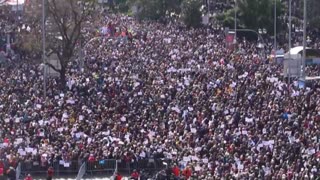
x=17 y=11
x=304 y=39
x=8 y=48
x=235 y=21
x=44 y=51
x=258 y=35
x=275 y=26
x=17 y=18
x=290 y=26
x=81 y=56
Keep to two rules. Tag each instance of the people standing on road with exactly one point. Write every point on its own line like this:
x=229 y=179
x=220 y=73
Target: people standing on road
x=50 y=173
x=1 y=169
x=135 y=175
x=187 y=173
x=11 y=173
x=118 y=176
x=176 y=172
x=29 y=177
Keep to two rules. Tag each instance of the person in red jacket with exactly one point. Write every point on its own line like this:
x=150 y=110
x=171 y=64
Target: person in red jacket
x=187 y=173
x=50 y=173
x=118 y=176
x=91 y=158
x=1 y=169
x=176 y=172
x=28 y=177
x=135 y=175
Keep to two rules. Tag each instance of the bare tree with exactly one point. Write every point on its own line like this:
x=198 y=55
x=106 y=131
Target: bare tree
x=67 y=18
x=65 y=21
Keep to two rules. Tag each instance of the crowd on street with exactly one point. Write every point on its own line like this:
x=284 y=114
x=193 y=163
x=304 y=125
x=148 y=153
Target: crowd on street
x=164 y=91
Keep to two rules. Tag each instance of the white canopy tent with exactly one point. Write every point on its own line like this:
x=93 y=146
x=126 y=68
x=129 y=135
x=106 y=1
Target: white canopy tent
x=14 y=4
x=295 y=53
x=292 y=66
x=292 y=62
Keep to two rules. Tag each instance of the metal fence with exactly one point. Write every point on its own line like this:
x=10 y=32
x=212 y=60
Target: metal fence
x=81 y=169
x=37 y=168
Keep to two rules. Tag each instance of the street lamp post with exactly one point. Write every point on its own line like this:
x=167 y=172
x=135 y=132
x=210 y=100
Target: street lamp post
x=235 y=22
x=7 y=31
x=262 y=32
x=81 y=56
x=44 y=51
x=17 y=13
x=275 y=26
x=290 y=46
x=303 y=74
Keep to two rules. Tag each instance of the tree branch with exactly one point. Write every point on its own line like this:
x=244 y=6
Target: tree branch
x=59 y=19
x=54 y=68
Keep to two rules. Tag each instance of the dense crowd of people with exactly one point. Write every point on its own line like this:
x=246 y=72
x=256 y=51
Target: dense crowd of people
x=168 y=93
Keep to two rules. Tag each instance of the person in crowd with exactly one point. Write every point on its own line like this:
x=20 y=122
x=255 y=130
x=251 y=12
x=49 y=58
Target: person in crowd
x=176 y=172
x=11 y=173
x=29 y=177
x=187 y=173
x=118 y=176
x=135 y=175
x=1 y=170
x=50 y=173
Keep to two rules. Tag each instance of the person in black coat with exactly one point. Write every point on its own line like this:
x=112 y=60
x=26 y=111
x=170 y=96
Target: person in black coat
x=11 y=173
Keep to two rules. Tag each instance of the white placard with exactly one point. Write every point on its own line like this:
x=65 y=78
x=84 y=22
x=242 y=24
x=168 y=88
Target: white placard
x=186 y=159
x=34 y=152
x=39 y=106
x=66 y=164
x=197 y=168
x=29 y=150
x=240 y=166
x=205 y=161
x=193 y=130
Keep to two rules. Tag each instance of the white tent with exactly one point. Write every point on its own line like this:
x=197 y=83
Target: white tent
x=295 y=52
x=15 y=2
x=292 y=67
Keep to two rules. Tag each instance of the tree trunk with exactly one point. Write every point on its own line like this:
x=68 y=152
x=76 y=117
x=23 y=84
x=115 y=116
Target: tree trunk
x=63 y=81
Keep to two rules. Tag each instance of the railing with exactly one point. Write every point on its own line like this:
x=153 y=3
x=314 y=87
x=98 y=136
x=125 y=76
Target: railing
x=79 y=169
x=41 y=168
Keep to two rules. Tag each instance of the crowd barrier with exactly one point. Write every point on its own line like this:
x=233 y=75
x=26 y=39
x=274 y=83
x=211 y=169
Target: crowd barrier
x=91 y=168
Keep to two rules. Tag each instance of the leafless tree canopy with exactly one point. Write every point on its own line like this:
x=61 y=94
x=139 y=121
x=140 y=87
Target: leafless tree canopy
x=65 y=20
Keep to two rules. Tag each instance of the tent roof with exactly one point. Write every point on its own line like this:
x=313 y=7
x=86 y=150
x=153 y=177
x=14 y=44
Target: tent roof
x=15 y=2
x=296 y=50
